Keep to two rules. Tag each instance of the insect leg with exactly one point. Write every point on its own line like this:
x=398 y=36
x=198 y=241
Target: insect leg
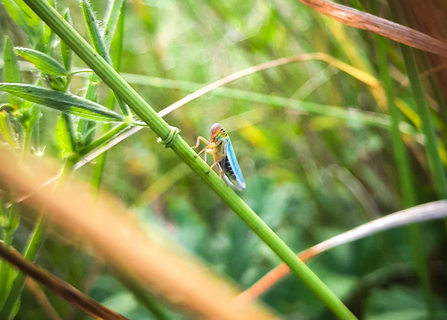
x=212 y=166
x=208 y=144
x=200 y=138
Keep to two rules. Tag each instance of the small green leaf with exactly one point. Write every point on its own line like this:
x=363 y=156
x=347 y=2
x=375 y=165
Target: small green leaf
x=7 y=129
x=117 y=40
x=31 y=18
x=111 y=22
x=87 y=128
x=43 y=62
x=12 y=72
x=98 y=43
x=65 y=139
x=63 y=102
x=94 y=31
x=66 y=53
x=18 y=16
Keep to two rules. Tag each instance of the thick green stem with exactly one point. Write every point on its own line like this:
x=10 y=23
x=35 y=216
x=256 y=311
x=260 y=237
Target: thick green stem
x=182 y=149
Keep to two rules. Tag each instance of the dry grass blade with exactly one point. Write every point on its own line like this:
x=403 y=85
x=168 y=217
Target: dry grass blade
x=116 y=239
x=61 y=288
x=424 y=212
x=386 y=28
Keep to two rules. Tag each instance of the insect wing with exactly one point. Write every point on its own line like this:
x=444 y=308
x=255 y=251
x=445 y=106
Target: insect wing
x=239 y=182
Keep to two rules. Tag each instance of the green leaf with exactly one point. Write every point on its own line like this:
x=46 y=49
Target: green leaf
x=65 y=135
x=12 y=72
x=87 y=128
x=111 y=22
x=63 y=102
x=66 y=53
x=43 y=62
x=117 y=41
x=18 y=16
x=98 y=43
x=7 y=130
x=94 y=31
x=31 y=18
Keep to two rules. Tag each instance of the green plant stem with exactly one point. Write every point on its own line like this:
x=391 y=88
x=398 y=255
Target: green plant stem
x=104 y=139
x=183 y=150
x=406 y=180
x=428 y=129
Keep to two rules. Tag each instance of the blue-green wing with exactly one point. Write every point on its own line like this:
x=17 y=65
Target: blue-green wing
x=230 y=155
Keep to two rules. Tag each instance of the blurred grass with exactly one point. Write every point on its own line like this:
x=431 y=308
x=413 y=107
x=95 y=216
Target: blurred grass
x=288 y=157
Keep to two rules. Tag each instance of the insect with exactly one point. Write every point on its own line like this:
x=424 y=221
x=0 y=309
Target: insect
x=224 y=156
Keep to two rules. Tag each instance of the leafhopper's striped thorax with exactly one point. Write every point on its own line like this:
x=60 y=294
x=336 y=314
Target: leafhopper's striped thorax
x=224 y=156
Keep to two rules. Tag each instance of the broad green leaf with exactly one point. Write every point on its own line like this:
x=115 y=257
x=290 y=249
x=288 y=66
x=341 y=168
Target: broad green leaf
x=63 y=102
x=65 y=136
x=43 y=62
x=111 y=21
x=66 y=53
x=11 y=69
x=7 y=130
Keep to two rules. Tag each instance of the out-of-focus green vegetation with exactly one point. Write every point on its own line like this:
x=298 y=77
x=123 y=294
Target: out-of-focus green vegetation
x=310 y=175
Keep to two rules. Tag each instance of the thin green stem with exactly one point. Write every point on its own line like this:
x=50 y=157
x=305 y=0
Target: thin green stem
x=428 y=129
x=405 y=176
x=104 y=139
x=183 y=150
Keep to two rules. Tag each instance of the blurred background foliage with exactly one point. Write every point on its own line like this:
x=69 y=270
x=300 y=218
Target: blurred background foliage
x=309 y=176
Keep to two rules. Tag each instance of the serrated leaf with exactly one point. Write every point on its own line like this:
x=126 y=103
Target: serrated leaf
x=63 y=102
x=63 y=137
x=11 y=68
x=66 y=52
x=7 y=130
x=43 y=62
